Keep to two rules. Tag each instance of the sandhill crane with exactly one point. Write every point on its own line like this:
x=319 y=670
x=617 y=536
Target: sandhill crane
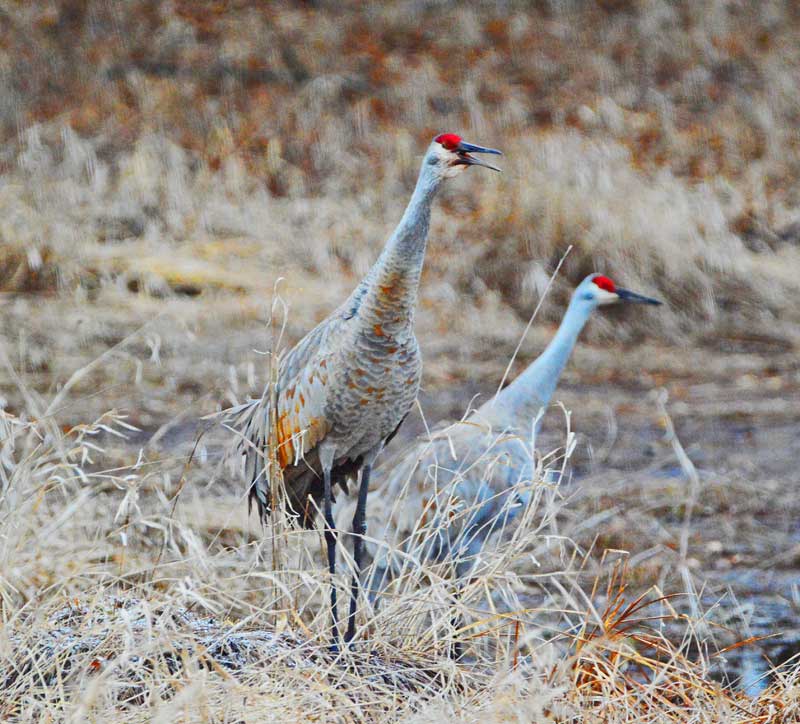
x=345 y=388
x=460 y=478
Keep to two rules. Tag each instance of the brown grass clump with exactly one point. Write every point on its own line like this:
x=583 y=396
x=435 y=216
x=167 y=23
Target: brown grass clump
x=624 y=658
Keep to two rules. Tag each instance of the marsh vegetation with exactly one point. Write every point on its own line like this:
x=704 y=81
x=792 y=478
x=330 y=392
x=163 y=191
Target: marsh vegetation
x=169 y=170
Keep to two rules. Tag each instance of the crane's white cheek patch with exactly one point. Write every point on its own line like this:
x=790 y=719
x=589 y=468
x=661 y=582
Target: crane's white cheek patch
x=447 y=166
x=603 y=297
x=452 y=171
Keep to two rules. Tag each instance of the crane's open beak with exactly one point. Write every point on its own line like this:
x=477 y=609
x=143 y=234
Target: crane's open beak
x=625 y=295
x=464 y=150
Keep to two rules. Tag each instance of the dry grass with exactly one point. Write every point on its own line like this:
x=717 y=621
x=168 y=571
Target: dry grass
x=164 y=165
x=668 y=158
x=165 y=609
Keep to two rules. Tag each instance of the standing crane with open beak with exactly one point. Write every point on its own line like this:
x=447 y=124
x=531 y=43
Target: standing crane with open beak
x=454 y=486
x=342 y=392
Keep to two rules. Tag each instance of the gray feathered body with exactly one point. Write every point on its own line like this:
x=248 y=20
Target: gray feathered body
x=345 y=388
x=456 y=489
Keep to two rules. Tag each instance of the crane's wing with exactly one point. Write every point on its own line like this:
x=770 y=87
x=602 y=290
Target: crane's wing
x=287 y=440
x=446 y=495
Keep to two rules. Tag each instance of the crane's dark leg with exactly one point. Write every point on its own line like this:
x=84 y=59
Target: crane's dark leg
x=456 y=648
x=359 y=530
x=330 y=541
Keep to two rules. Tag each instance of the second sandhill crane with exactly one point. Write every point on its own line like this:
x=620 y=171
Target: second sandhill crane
x=344 y=389
x=460 y=479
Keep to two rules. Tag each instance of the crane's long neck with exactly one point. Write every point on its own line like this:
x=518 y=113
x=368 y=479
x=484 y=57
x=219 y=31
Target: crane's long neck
x=534 y=388
x=392 y=284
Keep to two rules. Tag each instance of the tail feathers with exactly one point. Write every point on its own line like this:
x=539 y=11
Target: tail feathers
x=302 y=499
x=302 y=483
x=253 y=422
x=258 y=495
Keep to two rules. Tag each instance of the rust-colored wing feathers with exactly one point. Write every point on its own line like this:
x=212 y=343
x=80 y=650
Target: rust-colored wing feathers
x=300 y=424
x=287 y=440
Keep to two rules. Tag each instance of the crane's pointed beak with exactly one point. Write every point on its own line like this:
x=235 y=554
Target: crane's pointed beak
x=464 y=150
x=625 y=295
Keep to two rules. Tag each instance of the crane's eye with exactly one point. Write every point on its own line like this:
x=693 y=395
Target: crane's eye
x=588 y=296
x=433 y=160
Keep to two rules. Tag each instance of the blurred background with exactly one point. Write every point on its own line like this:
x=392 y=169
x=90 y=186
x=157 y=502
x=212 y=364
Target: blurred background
x=167 y=168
